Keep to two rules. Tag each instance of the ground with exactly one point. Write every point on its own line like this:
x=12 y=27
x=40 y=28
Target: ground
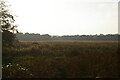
x=61 y=59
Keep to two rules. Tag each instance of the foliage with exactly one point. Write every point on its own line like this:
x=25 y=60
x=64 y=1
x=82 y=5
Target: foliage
x=11 y=70
x=38 y=37
x=7 y=25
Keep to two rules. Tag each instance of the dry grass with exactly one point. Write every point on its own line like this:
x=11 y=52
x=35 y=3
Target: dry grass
x=56 y=59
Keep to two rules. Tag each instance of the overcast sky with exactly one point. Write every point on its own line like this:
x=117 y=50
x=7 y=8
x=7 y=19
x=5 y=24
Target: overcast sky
x=66 y=17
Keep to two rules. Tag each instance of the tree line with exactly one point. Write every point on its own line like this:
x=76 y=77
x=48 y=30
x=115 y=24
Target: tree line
x=47 y=37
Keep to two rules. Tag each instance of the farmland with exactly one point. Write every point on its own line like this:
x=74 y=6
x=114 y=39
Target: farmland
x=61 y=59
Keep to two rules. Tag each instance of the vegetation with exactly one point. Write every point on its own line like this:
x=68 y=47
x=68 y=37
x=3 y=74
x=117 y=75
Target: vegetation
x=56 y=59
x=47 y=37
x=61 y=59
x=7 y=25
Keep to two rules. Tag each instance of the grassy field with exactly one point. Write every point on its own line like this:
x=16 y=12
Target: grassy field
x=61 y=59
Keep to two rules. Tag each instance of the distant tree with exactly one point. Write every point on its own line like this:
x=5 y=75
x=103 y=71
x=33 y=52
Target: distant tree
x=7 y=25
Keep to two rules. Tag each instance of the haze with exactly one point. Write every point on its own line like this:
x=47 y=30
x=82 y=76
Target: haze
x=66 y=17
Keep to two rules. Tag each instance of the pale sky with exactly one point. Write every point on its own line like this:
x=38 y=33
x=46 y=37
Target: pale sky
x=66 y=17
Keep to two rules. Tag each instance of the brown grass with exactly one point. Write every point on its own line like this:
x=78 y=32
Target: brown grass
x=68 y=59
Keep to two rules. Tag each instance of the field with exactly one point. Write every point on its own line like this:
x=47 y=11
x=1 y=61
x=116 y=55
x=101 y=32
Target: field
x=61 y=59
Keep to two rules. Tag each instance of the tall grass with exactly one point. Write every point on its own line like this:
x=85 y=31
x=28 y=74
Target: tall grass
x=57 y=59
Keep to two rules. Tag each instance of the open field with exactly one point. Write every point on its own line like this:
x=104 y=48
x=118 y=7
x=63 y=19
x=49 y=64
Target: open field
x=61 y=59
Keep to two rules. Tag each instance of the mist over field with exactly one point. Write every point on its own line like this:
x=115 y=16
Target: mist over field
x=60 y=39
x=47 y=37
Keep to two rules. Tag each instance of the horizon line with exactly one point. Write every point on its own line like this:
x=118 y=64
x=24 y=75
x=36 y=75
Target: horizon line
x=69 y=34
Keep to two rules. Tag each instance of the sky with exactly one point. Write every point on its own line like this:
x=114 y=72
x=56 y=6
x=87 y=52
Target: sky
x=66 y=17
